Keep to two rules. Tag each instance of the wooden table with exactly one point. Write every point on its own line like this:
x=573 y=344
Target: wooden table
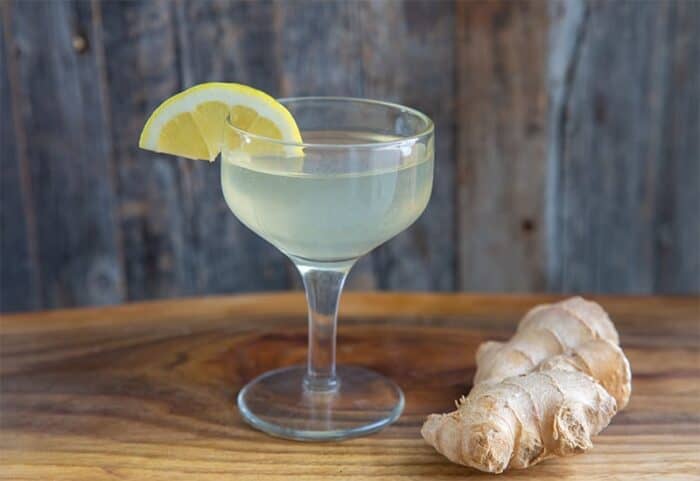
x=147 y=391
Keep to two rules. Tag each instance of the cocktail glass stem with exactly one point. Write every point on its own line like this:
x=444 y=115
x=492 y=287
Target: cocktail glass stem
x=323 y=283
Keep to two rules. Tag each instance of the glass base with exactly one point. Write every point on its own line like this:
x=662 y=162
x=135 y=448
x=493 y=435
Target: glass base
x=278 y=403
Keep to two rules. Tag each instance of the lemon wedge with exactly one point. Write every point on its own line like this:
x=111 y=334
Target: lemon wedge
x=192 y=123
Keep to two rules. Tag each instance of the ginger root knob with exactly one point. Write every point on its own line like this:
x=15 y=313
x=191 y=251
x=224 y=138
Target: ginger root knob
x=556 y=383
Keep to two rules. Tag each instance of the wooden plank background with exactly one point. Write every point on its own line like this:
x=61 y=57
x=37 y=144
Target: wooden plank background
x=568 y=142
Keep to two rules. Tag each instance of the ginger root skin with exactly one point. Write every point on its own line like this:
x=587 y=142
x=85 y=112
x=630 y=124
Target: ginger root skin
x=556 y=383
x=545 y=331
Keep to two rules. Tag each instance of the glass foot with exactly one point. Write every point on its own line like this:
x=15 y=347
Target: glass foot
x=278 y=404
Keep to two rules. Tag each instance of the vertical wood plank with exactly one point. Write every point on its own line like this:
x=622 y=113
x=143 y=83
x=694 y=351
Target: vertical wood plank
x=319 y=48
x=142 y=70
x=676 y=224
x=501 y=144
x=628 y=177
x=68 y=150
x=408 y=57
x=567 y=21
x=19 y=282
x=234 y=42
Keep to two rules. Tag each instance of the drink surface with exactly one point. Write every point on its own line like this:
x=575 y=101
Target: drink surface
x=331 y=205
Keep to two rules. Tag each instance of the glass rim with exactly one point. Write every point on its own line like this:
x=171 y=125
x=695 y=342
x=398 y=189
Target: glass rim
x=427 y=130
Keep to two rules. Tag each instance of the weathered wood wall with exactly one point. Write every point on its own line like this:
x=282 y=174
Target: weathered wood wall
x=568 y=151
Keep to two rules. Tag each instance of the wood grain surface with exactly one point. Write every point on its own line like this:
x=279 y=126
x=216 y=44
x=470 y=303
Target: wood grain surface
x=147 y=391
x=567 y=142
x=19 y=278
x=502 y=109
x=64 y=154
x=624 y=190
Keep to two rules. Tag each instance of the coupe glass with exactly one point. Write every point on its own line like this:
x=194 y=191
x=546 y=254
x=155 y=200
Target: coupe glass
x=363 y=173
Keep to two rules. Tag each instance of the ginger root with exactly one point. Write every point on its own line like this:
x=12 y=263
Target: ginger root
x=556 y=383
